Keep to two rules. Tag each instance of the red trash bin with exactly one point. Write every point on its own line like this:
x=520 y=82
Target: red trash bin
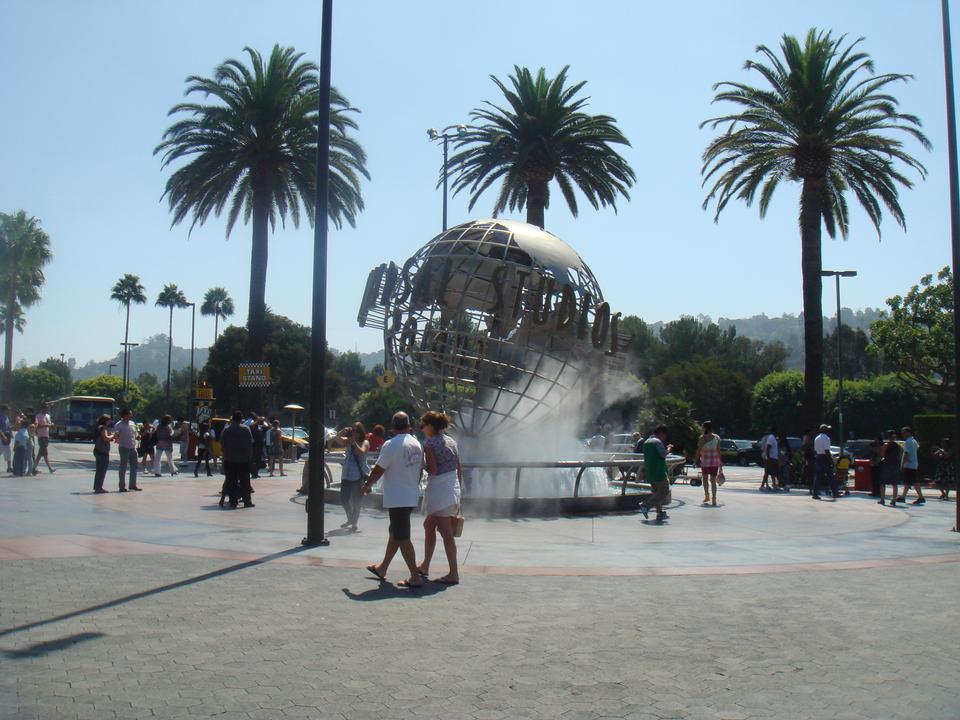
x=862 y=476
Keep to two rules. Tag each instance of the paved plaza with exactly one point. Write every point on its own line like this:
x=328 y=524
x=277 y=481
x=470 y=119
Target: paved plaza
x=161 y=605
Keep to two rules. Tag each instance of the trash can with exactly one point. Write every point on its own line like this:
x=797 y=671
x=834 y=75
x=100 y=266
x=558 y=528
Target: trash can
x=863 y=476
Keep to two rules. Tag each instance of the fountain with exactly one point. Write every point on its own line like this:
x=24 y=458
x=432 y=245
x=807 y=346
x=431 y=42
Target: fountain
x=504 y=327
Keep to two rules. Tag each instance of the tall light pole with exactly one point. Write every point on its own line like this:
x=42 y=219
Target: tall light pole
x=446 y=137
x=318 y=332
x=193 y=324
x=110 y=369
x=127 y=353
x=837 y=274
x=954 y=229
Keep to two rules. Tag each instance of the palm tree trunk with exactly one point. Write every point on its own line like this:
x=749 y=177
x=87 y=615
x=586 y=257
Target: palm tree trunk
x=536 y=202
x=811 y=209
x=169 y=350
x=126 y=346
x=216 y=325
x=8 y=349
x=258 y=274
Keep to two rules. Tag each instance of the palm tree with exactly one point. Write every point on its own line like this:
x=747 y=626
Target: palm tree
x=825 y=120
x=542 y=136
x=217 y=302
x=24 y=250
x=170 y=297
x=127 y=290
x=254 y=146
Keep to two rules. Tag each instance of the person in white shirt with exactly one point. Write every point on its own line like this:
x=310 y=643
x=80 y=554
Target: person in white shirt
x=126 y=433
x=824 y=463
x=399 y=464
x=771 y=462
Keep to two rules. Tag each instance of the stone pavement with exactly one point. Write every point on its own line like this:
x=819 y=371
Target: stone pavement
x=158 y=604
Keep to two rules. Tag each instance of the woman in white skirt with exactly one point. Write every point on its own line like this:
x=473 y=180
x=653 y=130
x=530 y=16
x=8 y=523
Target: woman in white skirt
x=441 y=501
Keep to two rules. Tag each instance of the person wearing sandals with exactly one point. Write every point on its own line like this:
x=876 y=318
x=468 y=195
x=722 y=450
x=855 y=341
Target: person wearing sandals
x=708 y=455
x=354 y=472
x=101 y=453
x=441 y=501
x=943 y=474
x=889 y=468
x=910 y=467
x=399 y=464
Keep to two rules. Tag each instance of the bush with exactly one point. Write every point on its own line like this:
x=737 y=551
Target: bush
x=110 y=386
x=778 y=401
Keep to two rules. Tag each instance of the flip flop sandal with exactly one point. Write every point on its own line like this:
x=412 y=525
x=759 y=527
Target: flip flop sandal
x=372 y=569
x=408 y=584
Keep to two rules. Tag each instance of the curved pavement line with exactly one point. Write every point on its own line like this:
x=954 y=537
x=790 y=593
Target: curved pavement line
x=34 y=547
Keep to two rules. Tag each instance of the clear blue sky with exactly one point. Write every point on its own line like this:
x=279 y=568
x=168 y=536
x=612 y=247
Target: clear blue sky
x=88 y=86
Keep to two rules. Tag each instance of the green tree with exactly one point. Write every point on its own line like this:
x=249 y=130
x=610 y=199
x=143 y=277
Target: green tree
x=859 y=361
x=916 y=339
x=823 y=119
x=252 y=144
x=218 y=303
x=873 y=405
x=542 y=135
x=125 y=291
x=378 y=406
x=59 y=368
x=170 y=297
x=713 y=390
x=778 y=400
x=24 y=250
x=30 y=386
x=109 y=386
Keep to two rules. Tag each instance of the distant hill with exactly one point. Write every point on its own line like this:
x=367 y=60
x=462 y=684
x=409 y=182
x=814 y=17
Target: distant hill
x=149 y=356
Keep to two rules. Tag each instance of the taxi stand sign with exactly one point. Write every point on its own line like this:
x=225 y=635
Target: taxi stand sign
x=253 y=375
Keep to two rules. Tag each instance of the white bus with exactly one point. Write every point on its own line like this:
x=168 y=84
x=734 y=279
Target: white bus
x=75 y=417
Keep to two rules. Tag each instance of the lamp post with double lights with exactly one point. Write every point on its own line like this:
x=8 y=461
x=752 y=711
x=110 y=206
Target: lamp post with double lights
x=445 y=136
x=110 y=369
x=193 y=325
x=837 y=274
x=127 y=346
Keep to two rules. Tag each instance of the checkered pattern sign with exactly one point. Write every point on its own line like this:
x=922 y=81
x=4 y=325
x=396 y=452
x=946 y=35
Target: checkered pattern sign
x=254 y=375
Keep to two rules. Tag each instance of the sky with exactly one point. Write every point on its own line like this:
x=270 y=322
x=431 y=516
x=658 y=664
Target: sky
x=89 y=85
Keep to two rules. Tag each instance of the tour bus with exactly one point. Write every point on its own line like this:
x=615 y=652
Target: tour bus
x=75 y=417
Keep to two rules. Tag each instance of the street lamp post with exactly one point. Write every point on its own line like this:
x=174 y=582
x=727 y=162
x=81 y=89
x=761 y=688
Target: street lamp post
x=954 y=227
x=318 y=324
x=445 y=136
x=837 y=274
x=110 y=369
x=127 y=348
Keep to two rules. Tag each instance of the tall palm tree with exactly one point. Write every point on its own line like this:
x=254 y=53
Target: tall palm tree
x=125 y=291
x=170 y=297
x=24 y=250
x=253 y=144
x=543 y=135
x=825 y=120
x=217 y=302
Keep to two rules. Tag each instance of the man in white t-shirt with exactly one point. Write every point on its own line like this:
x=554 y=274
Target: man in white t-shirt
x=824 y=464
x=399 y=464
x=771 y=462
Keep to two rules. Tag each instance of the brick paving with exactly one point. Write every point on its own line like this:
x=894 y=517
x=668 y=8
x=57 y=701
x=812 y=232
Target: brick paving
x=169 y=626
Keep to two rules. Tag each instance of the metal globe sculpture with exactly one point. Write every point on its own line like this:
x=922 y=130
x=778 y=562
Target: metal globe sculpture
x=496 y=322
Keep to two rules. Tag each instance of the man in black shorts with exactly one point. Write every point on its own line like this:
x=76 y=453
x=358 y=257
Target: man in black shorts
x=399 y=464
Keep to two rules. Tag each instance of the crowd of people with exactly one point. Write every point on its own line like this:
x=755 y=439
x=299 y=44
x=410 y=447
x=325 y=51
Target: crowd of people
x=25 y=440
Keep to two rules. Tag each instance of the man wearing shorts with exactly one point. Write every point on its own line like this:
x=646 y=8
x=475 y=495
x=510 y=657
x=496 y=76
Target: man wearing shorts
x=655 y=468
x=43 y=423
x=909 y=465
x=6 y=437
x=399 y=464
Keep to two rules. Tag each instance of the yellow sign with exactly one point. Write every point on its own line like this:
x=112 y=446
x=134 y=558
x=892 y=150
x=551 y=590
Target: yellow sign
x=386 y=380
x=253 y=375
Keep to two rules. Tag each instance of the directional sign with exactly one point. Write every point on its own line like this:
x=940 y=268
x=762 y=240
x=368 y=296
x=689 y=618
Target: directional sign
x=254 y=375
x=204 y=413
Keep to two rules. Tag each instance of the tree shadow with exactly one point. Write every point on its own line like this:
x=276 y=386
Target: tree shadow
x=46 y=647
x=154 y=591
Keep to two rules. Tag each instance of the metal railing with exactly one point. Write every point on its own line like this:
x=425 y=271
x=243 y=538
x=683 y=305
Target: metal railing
x=559 y=464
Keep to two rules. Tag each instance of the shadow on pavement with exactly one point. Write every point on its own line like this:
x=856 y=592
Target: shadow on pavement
x=389 y=591
x=154 y=591
x=46 y=647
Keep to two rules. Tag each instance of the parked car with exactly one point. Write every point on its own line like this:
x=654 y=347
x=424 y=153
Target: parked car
x=858 y=449
x=747 y=451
